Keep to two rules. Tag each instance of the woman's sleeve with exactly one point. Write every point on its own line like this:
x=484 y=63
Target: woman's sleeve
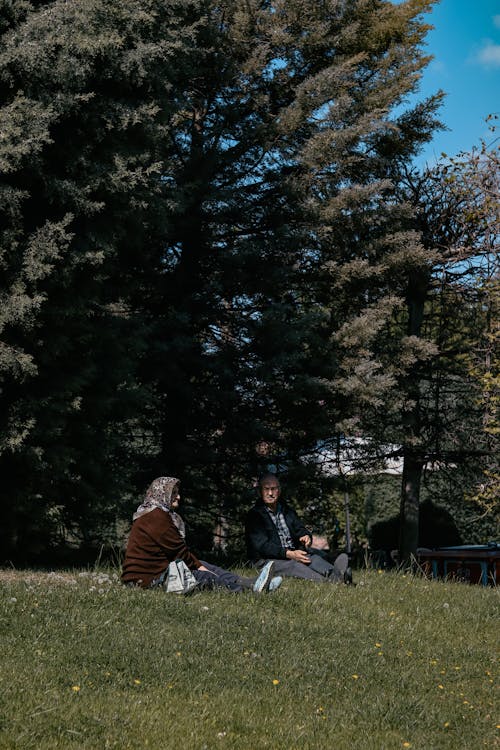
x=174 y=544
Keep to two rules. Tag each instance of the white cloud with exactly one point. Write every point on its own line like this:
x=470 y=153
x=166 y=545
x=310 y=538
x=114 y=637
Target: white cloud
x=489 y=55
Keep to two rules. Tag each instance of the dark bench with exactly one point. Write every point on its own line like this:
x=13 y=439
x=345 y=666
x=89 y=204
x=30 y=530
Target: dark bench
x=473 y=563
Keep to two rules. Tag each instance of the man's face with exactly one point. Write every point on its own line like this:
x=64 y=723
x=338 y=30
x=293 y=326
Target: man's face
x=270 y=492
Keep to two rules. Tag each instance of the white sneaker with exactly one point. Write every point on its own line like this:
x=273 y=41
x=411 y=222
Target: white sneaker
x=264 y=578
x=275 y=583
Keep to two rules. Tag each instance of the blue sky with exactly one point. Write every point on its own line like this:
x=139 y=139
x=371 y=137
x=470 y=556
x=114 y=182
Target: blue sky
x=466 y=47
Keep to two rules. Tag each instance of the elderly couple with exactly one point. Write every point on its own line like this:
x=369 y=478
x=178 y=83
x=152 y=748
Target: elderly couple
x=278 y=543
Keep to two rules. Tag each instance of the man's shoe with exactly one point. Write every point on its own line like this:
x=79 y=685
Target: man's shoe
x=348 y=577
x=264 y=578
x=340 y=566
x=275 y=583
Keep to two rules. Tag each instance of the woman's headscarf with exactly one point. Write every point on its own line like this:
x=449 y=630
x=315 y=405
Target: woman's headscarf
x=159 y=495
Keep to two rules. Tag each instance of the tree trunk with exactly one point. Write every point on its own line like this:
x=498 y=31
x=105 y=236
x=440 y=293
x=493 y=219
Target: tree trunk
x=417 y=292
x=409 y=510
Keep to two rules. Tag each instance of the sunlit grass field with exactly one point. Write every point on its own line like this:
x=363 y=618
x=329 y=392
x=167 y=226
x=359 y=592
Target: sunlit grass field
x=397 y=662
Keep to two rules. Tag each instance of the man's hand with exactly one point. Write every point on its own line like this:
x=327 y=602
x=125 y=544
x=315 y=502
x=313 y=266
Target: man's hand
x=306 y=540
x=298 y=555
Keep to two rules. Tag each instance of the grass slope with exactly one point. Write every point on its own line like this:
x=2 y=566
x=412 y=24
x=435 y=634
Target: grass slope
x=397 y=662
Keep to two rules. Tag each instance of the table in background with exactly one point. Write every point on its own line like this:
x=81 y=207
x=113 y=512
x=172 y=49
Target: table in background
x=473 y=563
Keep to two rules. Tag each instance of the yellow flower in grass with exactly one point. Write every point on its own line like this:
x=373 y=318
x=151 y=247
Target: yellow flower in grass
x=378 y=645
x=355 y=676
x=441 y=687
x=406 y=744
x=446 y=724
x=276 y=682
x=137 y=682
x=76 y=688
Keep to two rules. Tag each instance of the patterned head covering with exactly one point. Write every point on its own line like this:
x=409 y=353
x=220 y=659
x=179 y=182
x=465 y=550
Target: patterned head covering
x=159 y=495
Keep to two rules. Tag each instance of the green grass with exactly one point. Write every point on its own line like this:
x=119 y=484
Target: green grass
x=396 y=662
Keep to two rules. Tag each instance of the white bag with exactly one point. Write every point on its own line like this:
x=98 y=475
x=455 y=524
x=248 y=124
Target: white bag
x=179 y=579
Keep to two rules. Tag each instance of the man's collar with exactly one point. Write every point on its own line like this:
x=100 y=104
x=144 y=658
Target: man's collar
x=279 y=509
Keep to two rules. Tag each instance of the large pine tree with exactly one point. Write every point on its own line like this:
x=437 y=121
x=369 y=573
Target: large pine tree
x=204 y=201
x=281 y=213
x=85 y=88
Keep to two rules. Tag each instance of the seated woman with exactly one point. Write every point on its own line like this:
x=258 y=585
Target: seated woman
x=157 y=539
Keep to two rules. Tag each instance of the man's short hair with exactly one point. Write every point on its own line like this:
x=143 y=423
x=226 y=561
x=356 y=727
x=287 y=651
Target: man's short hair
x=267 y=476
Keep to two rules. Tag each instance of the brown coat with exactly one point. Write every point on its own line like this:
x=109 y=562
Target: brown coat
x=154 y=542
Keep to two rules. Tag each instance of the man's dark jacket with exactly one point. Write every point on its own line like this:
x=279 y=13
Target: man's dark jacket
x=262 y=536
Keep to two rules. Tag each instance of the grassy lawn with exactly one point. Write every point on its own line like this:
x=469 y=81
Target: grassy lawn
x=397 y=662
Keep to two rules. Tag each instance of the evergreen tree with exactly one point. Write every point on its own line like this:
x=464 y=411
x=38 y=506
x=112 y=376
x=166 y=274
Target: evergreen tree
x=427 y=404
x=85 y=88
x=202 y=193
x=278 y=195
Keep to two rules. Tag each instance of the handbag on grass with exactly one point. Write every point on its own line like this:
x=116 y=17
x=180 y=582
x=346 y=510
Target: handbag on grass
x=179 y=579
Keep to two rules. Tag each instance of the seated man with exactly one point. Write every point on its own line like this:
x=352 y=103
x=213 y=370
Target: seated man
x=275 y=532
